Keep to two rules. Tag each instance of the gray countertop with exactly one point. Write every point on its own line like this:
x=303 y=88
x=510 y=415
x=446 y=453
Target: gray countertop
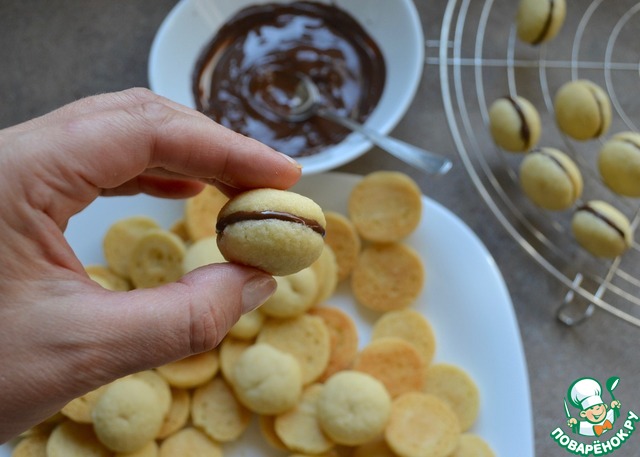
x=56 y=51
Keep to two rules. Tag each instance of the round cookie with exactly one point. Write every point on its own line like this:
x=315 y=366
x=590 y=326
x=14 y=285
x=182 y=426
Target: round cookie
x=514 y=124
x=551 y=179
x=276 y=231
x=601 y=229
x=385 y=206
x=472 y=445
x=411 y=326
x=583 y=110
x=353 y=408
x=107 y=278
x=267 y=380
x=299 y=428
x=539 y=21
x=156 y=259
x=150 y=450
x=33 y=445
x=326 y=270
x=305 y=337
x=70 y=439
x=248 y=326
x=191 y=371
x=119 y=239
x=189 y=442
x=422 y=424
x=159 y=385
x=217 y=412
x=178 y=414
x=295 y=294
x=394 y=362
x=454 y=385
x=80 y=409
x=387 y=277
x=345 y=242
x=230 y=351
x=200 y=253
x=128 y=415
x=619 y=164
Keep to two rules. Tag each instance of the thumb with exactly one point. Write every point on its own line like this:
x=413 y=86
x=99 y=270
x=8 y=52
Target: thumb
x=167 y=323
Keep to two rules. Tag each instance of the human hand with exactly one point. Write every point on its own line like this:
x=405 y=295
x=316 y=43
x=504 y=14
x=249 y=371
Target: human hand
x=572 y=422
x=61 y=334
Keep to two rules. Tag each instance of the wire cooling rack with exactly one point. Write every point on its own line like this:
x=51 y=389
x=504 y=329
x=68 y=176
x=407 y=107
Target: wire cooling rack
x=480 y=58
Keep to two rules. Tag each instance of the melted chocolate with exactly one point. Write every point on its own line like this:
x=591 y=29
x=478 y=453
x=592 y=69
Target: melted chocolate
x=525 y=132
x=236 y=74
x=242 y=216
x=603 y=218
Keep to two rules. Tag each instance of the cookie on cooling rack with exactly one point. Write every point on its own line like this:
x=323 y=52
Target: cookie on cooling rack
x=583 y=110
x=514 y=123
x=539 y=21
x=551 y=179
x=602 y=229
x=619 y=163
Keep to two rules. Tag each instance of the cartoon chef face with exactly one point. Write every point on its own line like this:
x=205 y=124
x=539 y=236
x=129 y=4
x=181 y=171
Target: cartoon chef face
x=594 y=414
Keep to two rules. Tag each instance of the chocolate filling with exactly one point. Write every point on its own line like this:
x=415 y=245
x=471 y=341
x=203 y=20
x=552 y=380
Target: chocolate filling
x=600 y=113
x=547 y=25
x=603 y=218
x=525 y=132
x=242 y=216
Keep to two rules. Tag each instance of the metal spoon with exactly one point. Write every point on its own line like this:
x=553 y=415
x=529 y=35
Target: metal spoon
x=306 y=103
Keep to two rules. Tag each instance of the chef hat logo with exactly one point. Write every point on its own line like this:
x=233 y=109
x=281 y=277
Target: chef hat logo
x=585 y=393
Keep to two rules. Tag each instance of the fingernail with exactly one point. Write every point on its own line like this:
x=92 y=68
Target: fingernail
x=290 y=159
x=256 y=291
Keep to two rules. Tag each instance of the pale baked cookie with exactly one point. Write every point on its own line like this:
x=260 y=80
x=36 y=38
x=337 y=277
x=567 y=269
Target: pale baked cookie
x=217 y=412
x=375 y=448
x=120 y=238
x=267 y=380
x=267 y=425
x=420 y=425
x=70 y=439
x=248 y=326
x=107 y=278
x=127 y=416
x=159 y=385
x=295 y=294
x=34 y=445
x=394 y=362
x=454 y=385
x=539 y=21
x=551 y=179
x=200 y=253
x=189 y=442
x=583 y=110
x=305 y=337
x=201 y=211
x=326 y=271
x=514 y=124
x=156 y=259
x=385 y=206
x=178 y=414
x=619 y=163
x=179 y=228
x=343 y=337
x=472 y=445
x=411 y=326
x=191 y=371
x=276 y=231
x=299 y=428
x=230 y=351
x=150 y=450
x=344 y=240
x=81 y=408
x=353 y=408
x=601 y=229
x=388 y=277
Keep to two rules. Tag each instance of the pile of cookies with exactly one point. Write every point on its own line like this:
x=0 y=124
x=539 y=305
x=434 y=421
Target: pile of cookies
x=297 y=365
x=548 y=176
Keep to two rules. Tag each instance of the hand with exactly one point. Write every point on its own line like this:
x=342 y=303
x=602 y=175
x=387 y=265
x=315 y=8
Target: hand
x=572 y=422
x=615 y=404
x=61 y=334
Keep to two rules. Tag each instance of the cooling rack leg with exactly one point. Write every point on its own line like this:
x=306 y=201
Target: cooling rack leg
x=574 y=309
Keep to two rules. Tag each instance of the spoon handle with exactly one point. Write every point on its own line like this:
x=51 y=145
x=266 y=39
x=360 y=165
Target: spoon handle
x=413 y=155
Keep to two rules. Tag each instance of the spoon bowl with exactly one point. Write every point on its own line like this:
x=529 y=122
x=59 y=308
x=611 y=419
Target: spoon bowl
x=294 y=97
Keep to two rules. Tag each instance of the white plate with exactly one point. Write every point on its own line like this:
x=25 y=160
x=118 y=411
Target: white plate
x=394 y=25
x=464 y=298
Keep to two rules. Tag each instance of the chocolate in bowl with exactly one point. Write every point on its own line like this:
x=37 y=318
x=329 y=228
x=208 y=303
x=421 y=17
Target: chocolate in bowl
x=320 y=40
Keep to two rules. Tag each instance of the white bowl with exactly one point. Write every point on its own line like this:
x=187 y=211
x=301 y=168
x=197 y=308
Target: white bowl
x=394 y=25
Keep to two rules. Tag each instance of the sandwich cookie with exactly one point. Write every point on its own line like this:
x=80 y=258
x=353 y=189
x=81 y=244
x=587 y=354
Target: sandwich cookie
x=583 y=110
x=619 y=164
x=601 y=229
x=514 y=123
x=539 y=21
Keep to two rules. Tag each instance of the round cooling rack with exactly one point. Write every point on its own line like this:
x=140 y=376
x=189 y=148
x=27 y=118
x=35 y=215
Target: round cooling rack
x=480 y=59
